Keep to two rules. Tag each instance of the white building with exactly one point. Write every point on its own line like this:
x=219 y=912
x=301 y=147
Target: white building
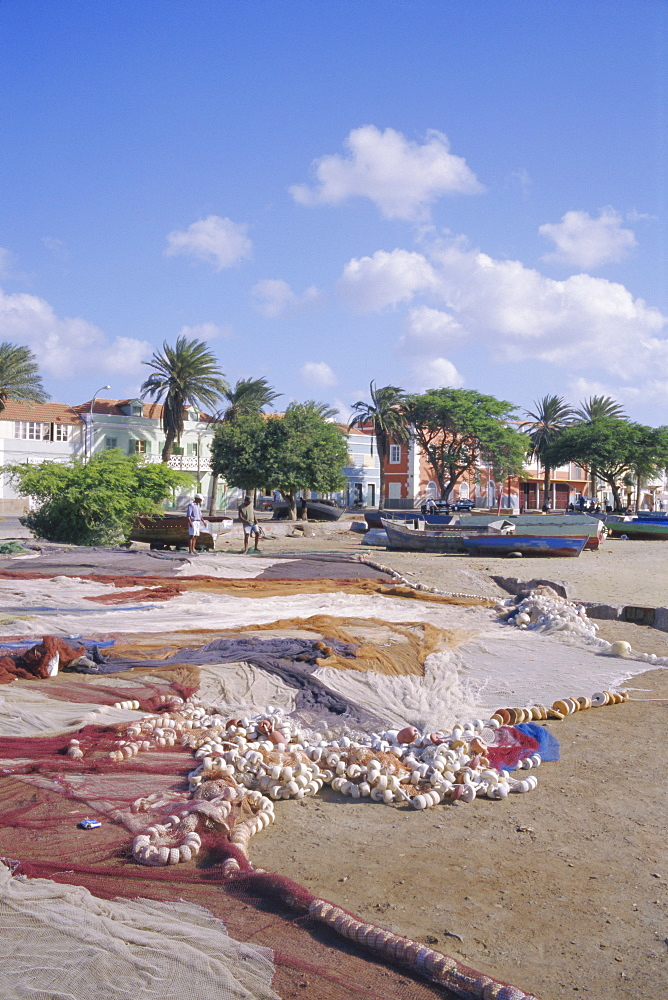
x=33 y=433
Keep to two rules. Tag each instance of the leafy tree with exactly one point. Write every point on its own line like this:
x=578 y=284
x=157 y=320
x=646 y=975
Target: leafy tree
x=297 y=451
x=457 y=428
x=249 y=396
x=598 y=408
x=615 y=447
x=92 y=503
x=305 y=451
x=389 y=424
x=184 y=375
x=548 y=418
x=19 y=376
x=238 y=451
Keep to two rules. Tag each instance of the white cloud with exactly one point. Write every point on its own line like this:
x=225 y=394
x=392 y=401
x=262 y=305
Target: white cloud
x=215 y=240
x=402 y=178
x=372 y=283
x=203 y=331
x=584 y=324
x=275 y=296
x=588 y=243
x=345 y=412
x=318 y=373
x=431 y=329
x=433 y=373
x=66 y=347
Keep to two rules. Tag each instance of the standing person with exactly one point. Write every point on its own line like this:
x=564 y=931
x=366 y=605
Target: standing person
x=249 y=522
x=194 y=515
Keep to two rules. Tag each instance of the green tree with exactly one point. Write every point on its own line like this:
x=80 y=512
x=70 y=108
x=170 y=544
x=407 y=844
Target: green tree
x=598 y=408
x=546 y=421
x=92 y=503
x=304 y=451
x=299 y=450
x=184 y=375
x=249 y=396
x=615 y=447
x=19 y=376
x=389 y=424
x=238 y=451
x=457 y=428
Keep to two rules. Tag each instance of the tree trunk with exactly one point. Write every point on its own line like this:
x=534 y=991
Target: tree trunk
x=213 y=504
x=616 y=502
x=380 y=450
x=292 y=502
x=170 y=437
x=546 y=484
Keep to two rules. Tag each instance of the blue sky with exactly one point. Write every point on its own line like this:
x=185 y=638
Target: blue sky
x=419 y=193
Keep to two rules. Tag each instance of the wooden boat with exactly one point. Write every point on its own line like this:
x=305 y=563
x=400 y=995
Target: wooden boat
x=653 y=529
x=528 y=545
x=416 y=537
x=549 y=525
x=374 y=518
x=163 y=531
x=317 y=510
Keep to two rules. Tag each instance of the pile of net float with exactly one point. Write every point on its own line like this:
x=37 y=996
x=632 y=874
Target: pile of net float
x=252 y=762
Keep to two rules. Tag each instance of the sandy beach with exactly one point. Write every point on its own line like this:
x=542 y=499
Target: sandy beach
x=563 y=891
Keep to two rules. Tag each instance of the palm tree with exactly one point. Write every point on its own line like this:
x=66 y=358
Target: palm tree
x=250 y=395
x=184 y=375
x=389 y=424
x=19 y=376
x=598 y=408
x=550 y=416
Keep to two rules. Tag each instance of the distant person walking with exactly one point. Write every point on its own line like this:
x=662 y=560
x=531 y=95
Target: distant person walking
x=194 y=515
x=249 y=522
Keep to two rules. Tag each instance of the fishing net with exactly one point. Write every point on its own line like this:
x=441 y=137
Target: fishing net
x=344 y=655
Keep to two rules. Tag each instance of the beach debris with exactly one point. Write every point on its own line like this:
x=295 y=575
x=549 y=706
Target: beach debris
x=89 y=824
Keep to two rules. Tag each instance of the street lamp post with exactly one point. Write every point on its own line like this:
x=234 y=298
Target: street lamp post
x=91 y=439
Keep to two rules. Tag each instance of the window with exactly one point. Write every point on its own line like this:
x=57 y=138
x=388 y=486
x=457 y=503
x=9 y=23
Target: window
x=394 y=491
x=139 y=447
x=110 y=443
x=32 y=430
x=61 y=432
x=192 y=449
x=137 y=410
x=395 y=453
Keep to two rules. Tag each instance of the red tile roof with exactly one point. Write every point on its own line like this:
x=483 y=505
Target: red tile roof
x=113 y=407
x=58 y=413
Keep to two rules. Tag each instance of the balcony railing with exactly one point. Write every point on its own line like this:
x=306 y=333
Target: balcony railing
x=183 y=463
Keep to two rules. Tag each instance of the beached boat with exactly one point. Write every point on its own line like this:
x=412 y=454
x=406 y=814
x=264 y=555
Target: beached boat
x=548 y=524
x=415 y=536
x=374 y=518
x=652 y=529
x=161 y=532
x=527 y=545
x=316 y=510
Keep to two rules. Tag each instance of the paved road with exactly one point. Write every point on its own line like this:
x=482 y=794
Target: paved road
x=11 y=527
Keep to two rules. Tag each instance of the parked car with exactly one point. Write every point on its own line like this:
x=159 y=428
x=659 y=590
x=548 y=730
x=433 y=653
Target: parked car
x=445 y=507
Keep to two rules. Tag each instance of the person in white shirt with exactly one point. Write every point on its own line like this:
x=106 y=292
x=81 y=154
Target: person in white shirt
x=194 y=515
